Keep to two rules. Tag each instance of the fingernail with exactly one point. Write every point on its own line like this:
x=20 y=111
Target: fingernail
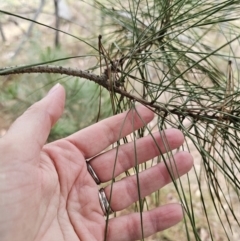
x=53 y=89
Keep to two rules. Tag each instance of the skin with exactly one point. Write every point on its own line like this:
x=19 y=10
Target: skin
x=46 y=192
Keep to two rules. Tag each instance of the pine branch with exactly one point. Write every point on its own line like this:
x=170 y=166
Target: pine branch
x=201 y=114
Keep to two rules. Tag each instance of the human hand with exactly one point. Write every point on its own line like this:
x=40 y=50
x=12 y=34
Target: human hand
x=47 y=193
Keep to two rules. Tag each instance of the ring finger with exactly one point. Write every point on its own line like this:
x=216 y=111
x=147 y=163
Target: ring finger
x=125 y=191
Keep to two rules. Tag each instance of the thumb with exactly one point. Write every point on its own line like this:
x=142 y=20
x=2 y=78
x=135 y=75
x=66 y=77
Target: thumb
x=30 y=131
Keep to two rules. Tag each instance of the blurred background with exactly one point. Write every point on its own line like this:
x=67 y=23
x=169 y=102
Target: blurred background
x=23 y=42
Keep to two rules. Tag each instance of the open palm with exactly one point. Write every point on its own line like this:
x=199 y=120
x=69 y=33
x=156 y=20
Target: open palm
x=47 y=193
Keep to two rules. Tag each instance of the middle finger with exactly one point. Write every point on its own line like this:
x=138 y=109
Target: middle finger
x=146 y=148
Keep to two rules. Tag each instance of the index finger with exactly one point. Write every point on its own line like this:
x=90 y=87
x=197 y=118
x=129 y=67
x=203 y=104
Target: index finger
x=94 y=139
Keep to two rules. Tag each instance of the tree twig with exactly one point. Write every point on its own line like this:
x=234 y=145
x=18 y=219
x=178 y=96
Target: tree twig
x=102 y=80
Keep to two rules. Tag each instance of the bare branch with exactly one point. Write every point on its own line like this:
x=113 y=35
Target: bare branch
x=103 y=81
